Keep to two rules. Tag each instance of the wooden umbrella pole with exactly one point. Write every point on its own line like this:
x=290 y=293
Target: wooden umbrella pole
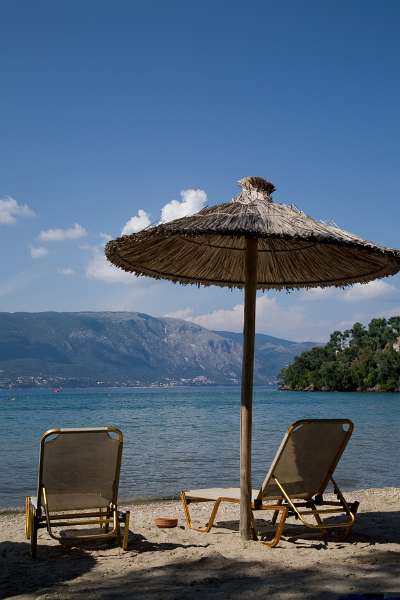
x=247 y=388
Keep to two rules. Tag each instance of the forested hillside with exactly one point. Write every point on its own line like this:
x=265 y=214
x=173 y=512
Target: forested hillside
x=360 y=358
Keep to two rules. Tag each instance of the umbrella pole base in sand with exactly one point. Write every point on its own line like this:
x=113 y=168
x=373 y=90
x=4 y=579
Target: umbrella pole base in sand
x=246 y=532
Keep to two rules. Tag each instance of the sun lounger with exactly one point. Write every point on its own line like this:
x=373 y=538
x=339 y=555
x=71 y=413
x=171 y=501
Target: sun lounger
x=78 y=485
x=295 y=483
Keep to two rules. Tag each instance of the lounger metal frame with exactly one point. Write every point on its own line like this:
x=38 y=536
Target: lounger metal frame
x=38 y=515
x=287 y=505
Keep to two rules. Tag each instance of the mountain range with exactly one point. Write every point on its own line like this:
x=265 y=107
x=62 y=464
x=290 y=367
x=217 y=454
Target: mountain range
x=128 y=348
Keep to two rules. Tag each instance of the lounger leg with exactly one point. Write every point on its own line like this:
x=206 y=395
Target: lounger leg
x=346 y=533
x=28 y=510
x=354 y=508
x=125 y=537
x=279 y=530
x=108 y=515
x=188 y=518
x=213 y=515
x=276 y=513
x=116 y=525
x=350 y=509
x=253 y=527
x=186 y=511
x=34 y=532
x=324 y=532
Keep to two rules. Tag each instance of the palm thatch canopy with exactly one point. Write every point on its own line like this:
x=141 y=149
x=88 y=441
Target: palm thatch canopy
x=294 y=250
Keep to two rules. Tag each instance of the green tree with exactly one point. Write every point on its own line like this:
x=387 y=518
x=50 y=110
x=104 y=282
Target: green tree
x=359 y=358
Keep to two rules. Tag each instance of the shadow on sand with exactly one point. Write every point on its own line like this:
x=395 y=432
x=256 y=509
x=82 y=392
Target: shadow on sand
x=210 y=575
x=370 y=527
x=58 y=564
x=138 y=543
x=55 y=565
x=217 y=577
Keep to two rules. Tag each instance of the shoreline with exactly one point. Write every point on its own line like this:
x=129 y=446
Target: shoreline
x=182 y=564
x=157 y=501
x=314 y=390
x=140 y=501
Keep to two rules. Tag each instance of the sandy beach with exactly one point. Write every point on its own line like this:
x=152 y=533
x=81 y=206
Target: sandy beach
x=179 y=563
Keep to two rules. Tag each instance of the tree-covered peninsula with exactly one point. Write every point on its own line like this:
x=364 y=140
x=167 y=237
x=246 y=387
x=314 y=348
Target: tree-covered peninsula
x=358 y=359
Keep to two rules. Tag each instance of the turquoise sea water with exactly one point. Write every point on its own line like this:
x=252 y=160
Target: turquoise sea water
x=189 y=437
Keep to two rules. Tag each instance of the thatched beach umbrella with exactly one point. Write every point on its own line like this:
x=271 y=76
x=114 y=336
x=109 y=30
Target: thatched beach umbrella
x=252 y=243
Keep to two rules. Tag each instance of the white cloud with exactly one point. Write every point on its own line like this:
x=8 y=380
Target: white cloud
x=375 y=290
x=105 y=236
x=10 y=210
x=136 y=223
x=271 y=318
x=319 y=293
x=59 y=235
x=66 y=271
x=192 y=202
x=38 y=251
x=230 y=319
x=101 y=269
x=184 y=313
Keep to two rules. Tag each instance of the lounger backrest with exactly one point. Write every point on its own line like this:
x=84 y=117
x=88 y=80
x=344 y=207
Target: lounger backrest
x=307 y=457
x=79 y=468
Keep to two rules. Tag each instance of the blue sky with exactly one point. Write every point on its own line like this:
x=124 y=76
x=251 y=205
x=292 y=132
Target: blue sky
x=108 y=108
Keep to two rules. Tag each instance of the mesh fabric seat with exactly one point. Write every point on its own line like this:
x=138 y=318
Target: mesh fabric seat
x=295 y=482
x=78 y=484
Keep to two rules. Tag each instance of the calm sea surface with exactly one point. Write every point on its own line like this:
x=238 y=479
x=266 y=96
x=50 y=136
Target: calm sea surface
x=189 y=437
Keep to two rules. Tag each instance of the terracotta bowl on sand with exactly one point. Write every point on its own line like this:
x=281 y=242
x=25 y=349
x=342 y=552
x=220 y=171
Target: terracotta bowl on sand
x=165 y=522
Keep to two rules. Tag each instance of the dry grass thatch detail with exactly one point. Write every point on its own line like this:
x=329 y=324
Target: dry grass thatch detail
x=294 y=250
